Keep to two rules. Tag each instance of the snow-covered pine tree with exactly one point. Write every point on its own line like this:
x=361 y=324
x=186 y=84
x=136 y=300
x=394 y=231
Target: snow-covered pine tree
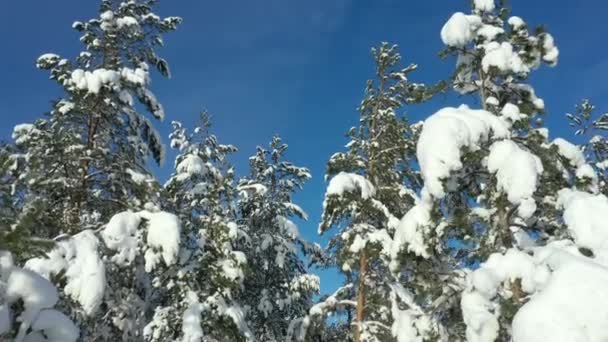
x=483 y=202
x=201 y=302
x=17 y=222
x=87 y=159
x=27 y=300
x=492 y=183
x=115 y=296
x=277 y=287
x=371 y=185
x=113 y=280
x=492 y=188
x=27 y=306
x=596 y=148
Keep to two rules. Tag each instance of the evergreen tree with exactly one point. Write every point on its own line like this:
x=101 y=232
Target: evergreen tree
x=494 y=206
x=277 y=287
x=596 y=148
x=27 y=306
x=210 y=274
x=17 y=223
x=86 y=159
x=371 y=186
x=491 y=178
x=493 y=62
x=471 y=226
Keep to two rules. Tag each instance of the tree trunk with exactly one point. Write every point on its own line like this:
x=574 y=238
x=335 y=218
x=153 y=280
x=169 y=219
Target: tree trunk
x=361 y=296
x=80 y=197
x=482 y=89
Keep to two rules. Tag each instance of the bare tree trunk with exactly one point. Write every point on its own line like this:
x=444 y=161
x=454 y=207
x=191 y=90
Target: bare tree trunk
x=360 y=317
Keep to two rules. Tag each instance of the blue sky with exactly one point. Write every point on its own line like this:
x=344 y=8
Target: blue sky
x=294 y=67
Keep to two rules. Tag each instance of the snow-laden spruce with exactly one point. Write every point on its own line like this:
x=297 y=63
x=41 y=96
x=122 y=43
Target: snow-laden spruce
x=495 y=231
x=445 y=135
x=17 y=231
x=278 y=287
x=120 y=261
x=202 y=290
x=159 y=241
x=27 y=302
x=592 y=126
x=370 y=186
x=77 y=259
x=85 y=161
x=500 y=193
x=140 y=248
x=559 y=286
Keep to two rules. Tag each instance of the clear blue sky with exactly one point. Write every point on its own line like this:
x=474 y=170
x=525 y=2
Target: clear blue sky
x=294 y=67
